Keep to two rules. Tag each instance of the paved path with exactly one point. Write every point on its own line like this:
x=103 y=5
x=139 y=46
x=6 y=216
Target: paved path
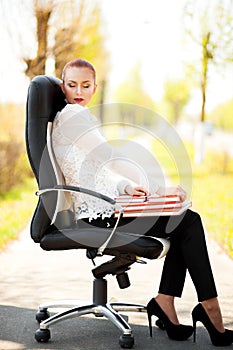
x=29 y=276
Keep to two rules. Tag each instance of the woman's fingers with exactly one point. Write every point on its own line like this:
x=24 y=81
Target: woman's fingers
x=181 y=193
x=136 y=191
x=141 y=191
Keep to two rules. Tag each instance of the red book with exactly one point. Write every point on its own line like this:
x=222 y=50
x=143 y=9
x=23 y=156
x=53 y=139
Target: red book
x=151 y=206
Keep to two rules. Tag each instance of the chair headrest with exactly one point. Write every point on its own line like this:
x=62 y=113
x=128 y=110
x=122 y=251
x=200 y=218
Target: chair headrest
x=45 y=99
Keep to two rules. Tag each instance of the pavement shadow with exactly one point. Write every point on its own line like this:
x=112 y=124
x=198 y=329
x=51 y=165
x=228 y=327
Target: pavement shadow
x=18 y=325
x=25 y=284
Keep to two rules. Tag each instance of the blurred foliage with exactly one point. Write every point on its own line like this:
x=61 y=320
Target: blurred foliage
x=176 y=96
x=209 y=29
x=43 y=11
x=212 y=195
x=132 y=92
x=14 y=165
x=65 y=30
x=58 y=31
x=222 y=115
x=213 y=199
x=12 y=121
x=16 y=209
x=81 y=33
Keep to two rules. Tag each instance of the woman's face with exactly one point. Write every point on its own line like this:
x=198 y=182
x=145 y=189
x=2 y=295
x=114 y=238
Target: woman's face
x=78 y=85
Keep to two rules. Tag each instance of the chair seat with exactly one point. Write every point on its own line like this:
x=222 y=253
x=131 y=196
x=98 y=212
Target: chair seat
x=122 y=242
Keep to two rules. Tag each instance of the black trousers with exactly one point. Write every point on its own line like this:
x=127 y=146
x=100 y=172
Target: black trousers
x=188 y=250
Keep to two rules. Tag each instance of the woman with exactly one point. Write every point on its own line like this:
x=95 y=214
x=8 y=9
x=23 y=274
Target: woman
x=86 y=158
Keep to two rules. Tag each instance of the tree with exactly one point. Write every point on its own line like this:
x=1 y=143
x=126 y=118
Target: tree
x=81 y=34
x=176 y=95
x=209 y=25
x=222 y=116
x=131 y=91
x=43 y=11
x=58 y=30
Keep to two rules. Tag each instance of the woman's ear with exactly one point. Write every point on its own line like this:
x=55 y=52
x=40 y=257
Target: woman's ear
x=95 y=88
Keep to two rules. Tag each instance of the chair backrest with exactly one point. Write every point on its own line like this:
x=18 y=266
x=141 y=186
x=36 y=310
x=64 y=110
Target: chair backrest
x=45 y=99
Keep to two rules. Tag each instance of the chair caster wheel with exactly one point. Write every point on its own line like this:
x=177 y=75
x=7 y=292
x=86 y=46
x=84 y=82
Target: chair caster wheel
x=42 y=335
x=160 y=324
x=42 y=315
x=126 y=341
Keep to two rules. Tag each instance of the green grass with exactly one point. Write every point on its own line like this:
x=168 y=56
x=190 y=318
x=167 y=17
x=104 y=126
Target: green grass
x=212 y=197
x=212 y=192
x=16 y=209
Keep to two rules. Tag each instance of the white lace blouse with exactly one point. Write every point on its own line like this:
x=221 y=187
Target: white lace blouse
x=87 y=160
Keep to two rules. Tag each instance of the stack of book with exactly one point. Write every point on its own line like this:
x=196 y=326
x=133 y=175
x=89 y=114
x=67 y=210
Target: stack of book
x=151 y=206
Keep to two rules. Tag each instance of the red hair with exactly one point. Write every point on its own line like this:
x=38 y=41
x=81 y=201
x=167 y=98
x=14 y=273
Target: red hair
x=79 y=63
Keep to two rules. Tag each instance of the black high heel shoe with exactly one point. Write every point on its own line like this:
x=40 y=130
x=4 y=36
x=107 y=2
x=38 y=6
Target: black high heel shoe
x=217 y=338
x=175 y=332
x=159 y=323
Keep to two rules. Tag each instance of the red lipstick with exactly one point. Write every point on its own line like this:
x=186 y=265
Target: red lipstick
x=79 y=100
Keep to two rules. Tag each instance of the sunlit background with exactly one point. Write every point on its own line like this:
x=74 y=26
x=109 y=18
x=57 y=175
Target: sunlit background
x=149 y=33
x=172 y=56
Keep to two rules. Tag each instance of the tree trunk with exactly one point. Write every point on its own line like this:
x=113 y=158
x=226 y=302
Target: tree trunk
x=36 y=66
x=102 y=98
x=200 y=129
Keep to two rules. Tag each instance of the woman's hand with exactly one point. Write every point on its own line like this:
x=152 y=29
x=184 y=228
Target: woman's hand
x=173 y=190
x=136 y=191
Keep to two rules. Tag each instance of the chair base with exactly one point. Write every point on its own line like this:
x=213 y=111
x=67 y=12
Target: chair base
x=99 y=308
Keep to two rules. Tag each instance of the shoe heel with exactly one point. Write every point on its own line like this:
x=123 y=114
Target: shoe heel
x=175 y=332
x=194 y=330
x=150 y=325
x=217 y=338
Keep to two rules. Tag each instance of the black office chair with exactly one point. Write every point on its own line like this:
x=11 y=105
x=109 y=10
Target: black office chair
x=54 y=228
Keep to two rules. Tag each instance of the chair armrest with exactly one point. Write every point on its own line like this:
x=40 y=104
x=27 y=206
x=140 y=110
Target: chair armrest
x=92 y=193
x=67 y=188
